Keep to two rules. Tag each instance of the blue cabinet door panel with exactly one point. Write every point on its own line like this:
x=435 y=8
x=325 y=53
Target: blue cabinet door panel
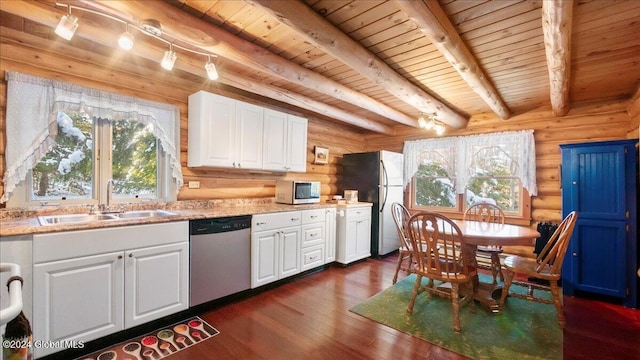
x=599 y=255
x=599 y=181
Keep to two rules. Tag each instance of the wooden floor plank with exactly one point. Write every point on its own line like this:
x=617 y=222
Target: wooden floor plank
x=309 y=318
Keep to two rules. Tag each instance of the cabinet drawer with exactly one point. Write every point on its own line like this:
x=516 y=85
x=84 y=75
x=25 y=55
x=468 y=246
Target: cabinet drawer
x=312 y=257
x=359 y=212
x=272 y=221
x=312 y=235
x=312 y=216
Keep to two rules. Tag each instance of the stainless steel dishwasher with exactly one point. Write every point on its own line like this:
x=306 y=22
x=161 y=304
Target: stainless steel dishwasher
x=220 y=257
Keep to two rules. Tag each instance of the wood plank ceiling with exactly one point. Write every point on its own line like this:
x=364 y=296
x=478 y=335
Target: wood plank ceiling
x=377 y=64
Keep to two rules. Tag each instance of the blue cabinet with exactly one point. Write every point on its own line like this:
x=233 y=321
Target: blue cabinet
x=599 y=182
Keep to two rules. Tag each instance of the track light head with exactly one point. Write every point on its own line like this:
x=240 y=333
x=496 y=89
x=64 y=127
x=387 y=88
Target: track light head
x=67 y=26
x=169 y=58
x=212 y=72
x=126 y=40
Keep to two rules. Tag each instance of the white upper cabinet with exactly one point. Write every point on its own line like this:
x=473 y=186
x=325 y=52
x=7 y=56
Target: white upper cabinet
x=275 y=144
x=297 y=144
x=224 y=132
x=212 y=130
x=249 y=128
x=285 y=142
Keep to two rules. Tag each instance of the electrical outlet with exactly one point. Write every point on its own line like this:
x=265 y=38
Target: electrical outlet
x=194 y=184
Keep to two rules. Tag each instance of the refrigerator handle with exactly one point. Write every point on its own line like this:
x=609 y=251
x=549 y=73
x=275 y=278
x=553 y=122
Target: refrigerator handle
x=385 y=185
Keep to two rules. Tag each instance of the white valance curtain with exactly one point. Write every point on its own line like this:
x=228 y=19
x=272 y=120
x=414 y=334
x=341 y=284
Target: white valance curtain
x=519 y=144
x=32 y=107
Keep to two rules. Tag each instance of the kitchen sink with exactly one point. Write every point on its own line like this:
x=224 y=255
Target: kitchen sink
x=74 y=218
x=83 y=218
x=135 y=214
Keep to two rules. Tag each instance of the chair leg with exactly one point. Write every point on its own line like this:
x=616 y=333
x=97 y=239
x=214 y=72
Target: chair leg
x=410 y=263
x=414 y=294
x=399 y=262
x=507 y=285
x=455 y=301
x=555 y=291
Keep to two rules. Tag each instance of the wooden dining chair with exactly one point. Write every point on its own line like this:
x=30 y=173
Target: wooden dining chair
x=440 y=254
x=547 y=266
x=401 y=217
x=486 y=212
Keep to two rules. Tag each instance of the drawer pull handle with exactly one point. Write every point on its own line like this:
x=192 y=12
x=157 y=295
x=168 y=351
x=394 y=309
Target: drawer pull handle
x=261 y=223
x=295 y=219
x=314 y=216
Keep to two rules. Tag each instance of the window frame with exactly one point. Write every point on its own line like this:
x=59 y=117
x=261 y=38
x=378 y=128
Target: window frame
x=166 y=187
x=522 y=218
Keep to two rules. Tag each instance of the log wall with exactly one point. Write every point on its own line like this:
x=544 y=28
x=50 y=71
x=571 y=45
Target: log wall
x=586 y=123
x=34 y=55
x=28 y=54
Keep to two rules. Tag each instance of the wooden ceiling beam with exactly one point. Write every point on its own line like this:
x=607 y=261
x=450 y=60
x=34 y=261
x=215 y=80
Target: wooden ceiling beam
x=318 y=31
x=557 y=17
x=204 y=36
x=48 y=16
x=435 y=25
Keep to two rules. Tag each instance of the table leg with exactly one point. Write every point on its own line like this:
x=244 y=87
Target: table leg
x=487 y=294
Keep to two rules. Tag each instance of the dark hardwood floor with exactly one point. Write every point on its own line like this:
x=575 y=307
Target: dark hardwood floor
x=309 y=318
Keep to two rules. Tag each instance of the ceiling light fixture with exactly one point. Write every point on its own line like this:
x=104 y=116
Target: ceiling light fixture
x=212 y=72
x=67 y=26
x=431 y=124
x=126 y=40
x=151 y=27
x=69 y=23
x=169 y=58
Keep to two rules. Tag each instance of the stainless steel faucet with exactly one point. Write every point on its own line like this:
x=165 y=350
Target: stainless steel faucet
x=109 y=192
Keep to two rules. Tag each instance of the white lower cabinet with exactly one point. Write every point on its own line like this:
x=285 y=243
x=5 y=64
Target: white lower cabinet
x=78 y=299
x=275 y=247
x=92 y=283
x=313 y=239
x=330 y=235
x=286 y=243
x=354 y=234
x=155 y=283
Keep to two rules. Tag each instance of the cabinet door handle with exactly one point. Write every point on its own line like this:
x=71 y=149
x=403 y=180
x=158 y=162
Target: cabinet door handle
x=130 y=255
x=575 y=254
x=120 y=257
x=234 y=164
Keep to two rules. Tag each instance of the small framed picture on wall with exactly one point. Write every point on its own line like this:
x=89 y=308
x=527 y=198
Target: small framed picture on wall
x=322 y=155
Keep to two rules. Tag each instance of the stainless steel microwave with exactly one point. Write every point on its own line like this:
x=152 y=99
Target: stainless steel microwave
x=297 y=192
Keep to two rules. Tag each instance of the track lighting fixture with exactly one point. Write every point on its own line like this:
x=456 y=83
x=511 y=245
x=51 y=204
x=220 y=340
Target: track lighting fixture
x=431 y=124
x=212 y=72
x=69 y=23
x=169 y=58
x=126 y=40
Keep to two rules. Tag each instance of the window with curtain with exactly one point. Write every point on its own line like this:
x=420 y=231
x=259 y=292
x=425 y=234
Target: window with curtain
x=65 y=142
x=449 y=174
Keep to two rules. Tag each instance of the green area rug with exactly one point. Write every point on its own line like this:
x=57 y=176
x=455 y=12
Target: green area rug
x=522 y=330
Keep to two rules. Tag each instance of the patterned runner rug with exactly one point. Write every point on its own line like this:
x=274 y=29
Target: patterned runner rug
x=522 y=330
x=160 y=343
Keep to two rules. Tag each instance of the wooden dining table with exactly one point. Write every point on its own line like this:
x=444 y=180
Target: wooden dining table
x=482 y=233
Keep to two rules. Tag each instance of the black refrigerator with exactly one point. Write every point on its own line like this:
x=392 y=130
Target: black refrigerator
x=378 y=177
